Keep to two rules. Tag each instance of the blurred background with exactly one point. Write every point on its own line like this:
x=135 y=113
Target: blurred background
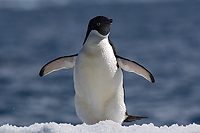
x=162 y=35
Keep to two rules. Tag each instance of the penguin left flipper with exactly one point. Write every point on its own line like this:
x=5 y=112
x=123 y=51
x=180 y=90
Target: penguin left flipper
x=65 y=62
x=132 y=66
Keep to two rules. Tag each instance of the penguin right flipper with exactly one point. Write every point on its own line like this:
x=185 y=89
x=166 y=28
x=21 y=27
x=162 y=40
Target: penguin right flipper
x=65 y=62
x=132 y=66
x=131 y=118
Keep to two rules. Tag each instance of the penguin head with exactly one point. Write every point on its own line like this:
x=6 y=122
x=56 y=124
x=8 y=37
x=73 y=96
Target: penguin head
x=101 y=24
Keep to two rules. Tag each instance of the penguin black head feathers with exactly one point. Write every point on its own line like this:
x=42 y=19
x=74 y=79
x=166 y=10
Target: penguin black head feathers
x=100 y=24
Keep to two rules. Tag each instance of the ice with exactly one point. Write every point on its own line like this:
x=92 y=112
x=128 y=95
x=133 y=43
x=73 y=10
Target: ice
x=101 y=127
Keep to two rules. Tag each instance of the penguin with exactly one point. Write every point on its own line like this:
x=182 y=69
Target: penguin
x=98 y=76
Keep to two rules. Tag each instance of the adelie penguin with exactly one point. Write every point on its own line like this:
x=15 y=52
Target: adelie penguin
x=98 y=77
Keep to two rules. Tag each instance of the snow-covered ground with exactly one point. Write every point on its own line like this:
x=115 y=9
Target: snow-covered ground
x=101 y=127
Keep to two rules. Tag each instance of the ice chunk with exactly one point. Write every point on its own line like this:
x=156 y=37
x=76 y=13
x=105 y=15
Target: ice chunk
x=101 y=127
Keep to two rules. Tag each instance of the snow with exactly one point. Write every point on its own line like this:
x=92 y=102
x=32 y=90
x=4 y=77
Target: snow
x=101 y=127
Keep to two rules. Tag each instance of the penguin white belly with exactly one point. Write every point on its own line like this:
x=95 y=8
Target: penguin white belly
x=98 y=85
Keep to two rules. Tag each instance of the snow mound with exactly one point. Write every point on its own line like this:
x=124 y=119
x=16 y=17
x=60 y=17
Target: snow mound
x=101 y=127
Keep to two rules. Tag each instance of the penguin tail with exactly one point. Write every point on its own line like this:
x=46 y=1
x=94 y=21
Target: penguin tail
x=131 y=118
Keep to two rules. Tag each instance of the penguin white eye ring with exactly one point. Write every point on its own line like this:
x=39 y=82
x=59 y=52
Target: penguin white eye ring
x=98 y=24
x=100 y=96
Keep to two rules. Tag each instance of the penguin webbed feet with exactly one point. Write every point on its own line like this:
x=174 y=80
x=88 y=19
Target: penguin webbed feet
x=131 y=118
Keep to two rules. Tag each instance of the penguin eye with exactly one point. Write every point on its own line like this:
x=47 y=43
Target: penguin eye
x=98 y=24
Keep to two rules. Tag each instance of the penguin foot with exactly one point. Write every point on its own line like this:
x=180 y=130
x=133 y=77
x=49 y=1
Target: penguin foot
x=133 y=118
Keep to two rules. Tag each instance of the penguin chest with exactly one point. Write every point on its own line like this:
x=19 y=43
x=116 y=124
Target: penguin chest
x=96 y=78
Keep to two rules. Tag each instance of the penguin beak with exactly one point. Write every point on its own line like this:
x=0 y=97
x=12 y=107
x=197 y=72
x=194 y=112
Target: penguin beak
x=110 y=21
